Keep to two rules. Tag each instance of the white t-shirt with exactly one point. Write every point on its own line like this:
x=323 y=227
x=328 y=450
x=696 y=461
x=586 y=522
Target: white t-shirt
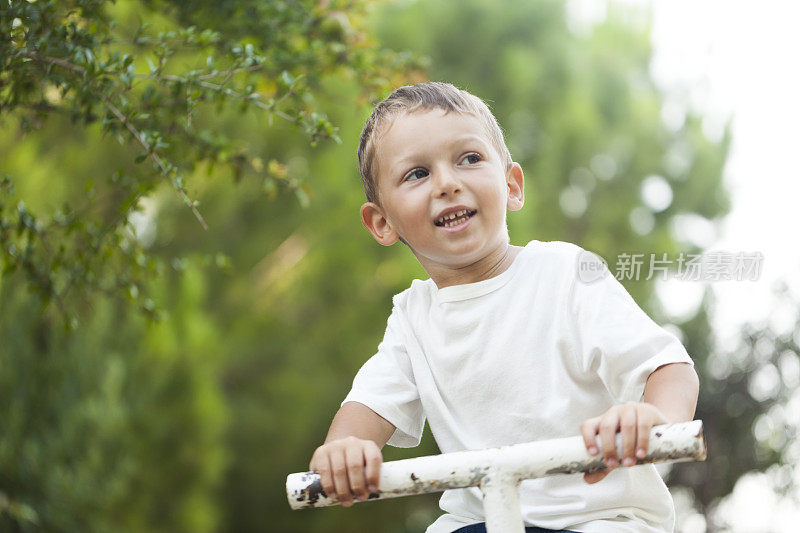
x=524 y=356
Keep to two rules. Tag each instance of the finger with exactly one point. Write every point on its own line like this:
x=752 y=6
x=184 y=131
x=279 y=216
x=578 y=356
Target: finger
x=373 y=459
x=323 y=468
x=594 y=477
x=340 y=481
x=607 y=431
x=589 y=434
x=643 y=437
x=627 y=428
x=318 y=459
x=354 y=456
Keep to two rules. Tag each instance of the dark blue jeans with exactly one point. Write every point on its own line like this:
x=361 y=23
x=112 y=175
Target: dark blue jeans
x=481 y=528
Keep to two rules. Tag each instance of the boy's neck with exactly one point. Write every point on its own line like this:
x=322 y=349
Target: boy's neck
x=490 y=266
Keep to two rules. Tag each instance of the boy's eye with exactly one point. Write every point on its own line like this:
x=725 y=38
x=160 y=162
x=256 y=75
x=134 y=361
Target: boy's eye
x=415 y=174
x=475 y=158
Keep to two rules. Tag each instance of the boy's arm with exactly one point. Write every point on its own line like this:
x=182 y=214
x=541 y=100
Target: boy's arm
x=349 y=461
x=673 y=388
x=357 y=420
x=670 y=395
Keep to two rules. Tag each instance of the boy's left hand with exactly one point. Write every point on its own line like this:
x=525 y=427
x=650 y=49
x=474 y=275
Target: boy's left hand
x=633 y=420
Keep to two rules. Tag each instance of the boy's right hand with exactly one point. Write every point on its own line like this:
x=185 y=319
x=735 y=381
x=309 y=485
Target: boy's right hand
x=348 y=467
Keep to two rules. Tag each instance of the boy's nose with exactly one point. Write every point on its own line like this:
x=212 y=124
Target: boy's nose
x=446 y=184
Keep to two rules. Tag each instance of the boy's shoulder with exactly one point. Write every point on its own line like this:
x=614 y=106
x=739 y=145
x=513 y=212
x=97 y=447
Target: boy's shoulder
x=418 y=287
x=555 y=249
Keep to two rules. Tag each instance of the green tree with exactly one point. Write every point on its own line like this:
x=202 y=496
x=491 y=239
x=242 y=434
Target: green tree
x=97 y=436
x=112 y=108
x=747 y=402
x=157 y=87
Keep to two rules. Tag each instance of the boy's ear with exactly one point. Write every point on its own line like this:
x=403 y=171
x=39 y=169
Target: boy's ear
x=515 y=180
x=376 y=222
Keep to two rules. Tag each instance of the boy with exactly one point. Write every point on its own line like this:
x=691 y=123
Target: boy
x=503 y=344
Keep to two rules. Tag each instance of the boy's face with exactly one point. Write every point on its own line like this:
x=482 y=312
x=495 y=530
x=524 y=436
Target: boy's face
x=431 y=165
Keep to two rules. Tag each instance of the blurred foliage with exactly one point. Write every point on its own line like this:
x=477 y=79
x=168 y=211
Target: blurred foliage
x=749 y=406
x=117 y=426
x=191 y=422
x=156 y=86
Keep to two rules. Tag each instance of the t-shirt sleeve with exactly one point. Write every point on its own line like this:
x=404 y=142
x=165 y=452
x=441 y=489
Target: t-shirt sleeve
x=617 y=340
x=385 y=384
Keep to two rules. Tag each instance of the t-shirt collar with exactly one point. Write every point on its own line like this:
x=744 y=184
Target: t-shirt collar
x=465 y=291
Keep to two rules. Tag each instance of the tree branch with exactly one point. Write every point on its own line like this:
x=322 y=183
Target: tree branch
x=128 y=124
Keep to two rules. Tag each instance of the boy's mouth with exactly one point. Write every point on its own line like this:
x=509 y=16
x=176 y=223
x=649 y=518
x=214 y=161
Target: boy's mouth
x=454 y=217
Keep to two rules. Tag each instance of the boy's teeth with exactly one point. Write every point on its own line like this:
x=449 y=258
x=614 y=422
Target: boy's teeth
x=462 y=217
x=443 y=220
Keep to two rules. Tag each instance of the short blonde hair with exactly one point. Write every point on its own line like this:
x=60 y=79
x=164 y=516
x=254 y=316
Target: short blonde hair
x=422 y=96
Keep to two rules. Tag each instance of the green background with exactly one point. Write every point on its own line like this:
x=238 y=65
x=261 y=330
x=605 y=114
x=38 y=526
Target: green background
x=192 y=420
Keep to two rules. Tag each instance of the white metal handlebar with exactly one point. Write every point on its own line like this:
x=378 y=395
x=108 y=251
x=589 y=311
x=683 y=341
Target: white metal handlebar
x=499 y=471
